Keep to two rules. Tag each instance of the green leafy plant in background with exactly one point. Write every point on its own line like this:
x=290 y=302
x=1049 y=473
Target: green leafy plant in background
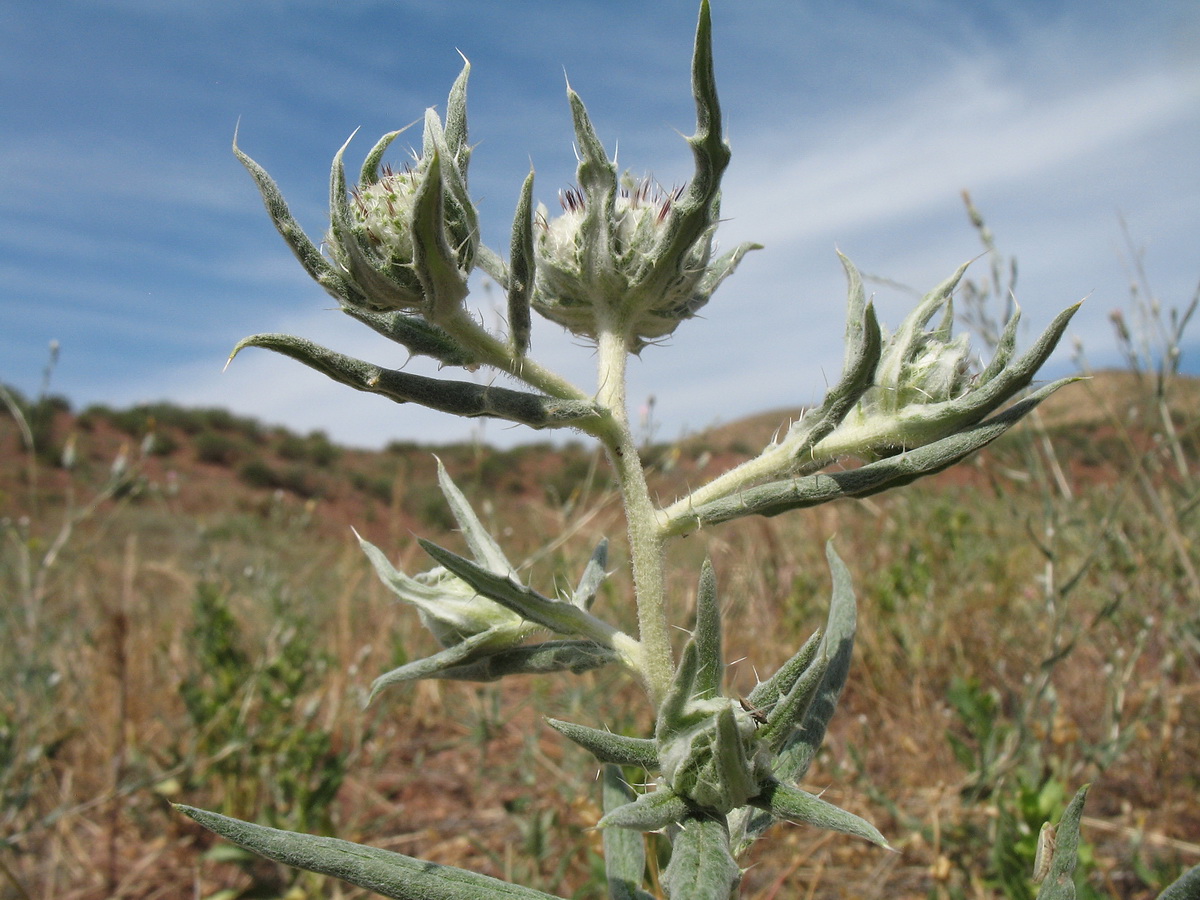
x=621 y=267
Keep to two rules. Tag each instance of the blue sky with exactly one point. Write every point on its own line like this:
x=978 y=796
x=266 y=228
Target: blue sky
x=130 y=234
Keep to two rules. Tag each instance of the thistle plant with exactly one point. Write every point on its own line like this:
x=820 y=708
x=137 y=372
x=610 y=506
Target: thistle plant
x=621 y=267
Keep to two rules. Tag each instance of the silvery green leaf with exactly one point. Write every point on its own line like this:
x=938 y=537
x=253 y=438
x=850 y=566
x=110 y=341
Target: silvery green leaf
x=767 y=693
x=559 y=616
x=436 y=263
x=521 y=271
x=597 y=176
x=675 y=714
x=390 y=874
x=608 y=747
x=799 y=806
x=989 y=395
x=449 y=608
x=864 y=342
x=593 y=576
x=787 y=714
x=624 y=850
x=837 y=646
x=1006 y=347
x=306 y=251
x=575 y=657
x=649 y=812
x=456 y=117
x=480 y=541
x=1060 y=883
x=448 y=659
x=418 y=336
x=370 y=166
x=1186 y=888
x=694 y=213
x=460 y=398
x=812 y=490
x=701 y=866
x=708 y=637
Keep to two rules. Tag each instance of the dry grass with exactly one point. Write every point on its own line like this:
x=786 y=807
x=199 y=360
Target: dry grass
x=1075 y=613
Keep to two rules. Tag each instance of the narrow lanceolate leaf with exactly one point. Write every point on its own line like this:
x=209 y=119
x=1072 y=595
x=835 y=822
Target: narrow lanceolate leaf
x=419 y=337
x=624 y=850
x=434 y=260
x=607 y=747
x=521 y=271
x=864 y=344
x=837 y=647
x=456 y=117
x=557 y=615
x=812 y=490
x=483 y=546
x=701 y=866
x=708 y=636
x=673 y=714
x=459 y=398
x=1059 y=884
x=799 y=806
x=435 y=666
x=370 y=166
x=695 y=211
x=790 y=711
x=649 y=812
x=575 y=657
x=390 y=874
x=767 y=693
x=1186 y=888
x=306 y=251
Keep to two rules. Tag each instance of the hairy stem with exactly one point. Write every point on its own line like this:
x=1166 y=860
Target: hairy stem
x=646 y=543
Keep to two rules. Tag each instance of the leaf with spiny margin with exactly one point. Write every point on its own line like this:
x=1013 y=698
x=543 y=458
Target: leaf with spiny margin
x=624 y=850
x=767 y=693
x=701 y=866
x=790 y=710
x=382 y=871
x=695 y=211
x=370 y=166
x=795 y=805
x=673 y=716
x=778 y=497
x=544 y=658
x=597 y=176
x=418 y=336
x=708 y=636
x=483 y=546
x=521 y=270
x=456 y=117
x=559 y=616
x=460 y=398
x=837 y=646
x=434 y=260
x=309 y=254
x=864 y=343
x=649 y=812
x=607 y=747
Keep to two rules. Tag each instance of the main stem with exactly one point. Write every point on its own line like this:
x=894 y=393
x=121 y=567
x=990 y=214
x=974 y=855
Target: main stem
x=646 y=544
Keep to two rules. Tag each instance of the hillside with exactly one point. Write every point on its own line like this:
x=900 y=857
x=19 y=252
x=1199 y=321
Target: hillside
x=189 y=619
